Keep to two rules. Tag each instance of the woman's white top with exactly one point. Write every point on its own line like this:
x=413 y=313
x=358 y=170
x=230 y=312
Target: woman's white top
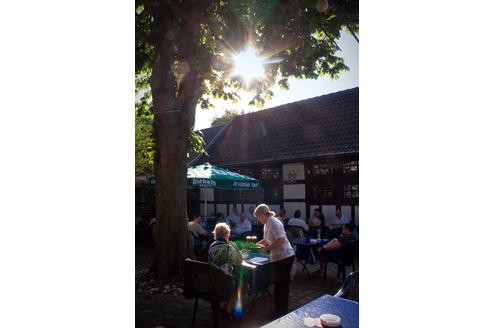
x=273 y=230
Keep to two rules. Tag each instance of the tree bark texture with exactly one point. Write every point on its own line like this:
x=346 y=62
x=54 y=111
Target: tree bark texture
x=175 y=95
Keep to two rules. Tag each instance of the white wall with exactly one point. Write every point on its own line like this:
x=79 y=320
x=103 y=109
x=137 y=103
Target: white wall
x=328 y=211
x=274 y=208
x=347 y=211
x=209 y=192
x=222 y=208
x=209 y=208
x=246 y=206
x=294 y=191
x=290 y=207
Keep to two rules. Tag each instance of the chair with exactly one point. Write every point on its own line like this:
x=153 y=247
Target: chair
x=343 y=257
x=326 y=233
x=353 y=277
x=295 y=231
x=305 y=256
x=204 y=281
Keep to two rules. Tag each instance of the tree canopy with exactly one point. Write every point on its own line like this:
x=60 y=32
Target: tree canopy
x=227 y=116
x=293 y=36
x=184 y=53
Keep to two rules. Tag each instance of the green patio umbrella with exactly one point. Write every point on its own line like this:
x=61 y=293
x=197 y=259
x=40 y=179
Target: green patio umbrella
x=210 y=176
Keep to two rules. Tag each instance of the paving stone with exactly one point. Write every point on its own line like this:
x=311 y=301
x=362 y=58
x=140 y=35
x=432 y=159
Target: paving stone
x=166 y=310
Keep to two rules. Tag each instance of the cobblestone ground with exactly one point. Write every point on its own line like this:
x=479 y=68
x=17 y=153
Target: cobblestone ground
x=161 y=303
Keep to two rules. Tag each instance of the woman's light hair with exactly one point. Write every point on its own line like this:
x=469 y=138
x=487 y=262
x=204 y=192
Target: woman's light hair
x=263 y=209
x=221 y=230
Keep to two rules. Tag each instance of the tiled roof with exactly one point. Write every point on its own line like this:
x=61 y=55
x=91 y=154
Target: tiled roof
x=321 y=126
x=208 y=135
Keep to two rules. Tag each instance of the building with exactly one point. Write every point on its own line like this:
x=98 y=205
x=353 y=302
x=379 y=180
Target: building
x=306 y=153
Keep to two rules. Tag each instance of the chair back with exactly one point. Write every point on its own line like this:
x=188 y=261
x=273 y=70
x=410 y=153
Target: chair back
x=347 y=252
x=197 y=282
x=295 y=231
x=326 y=233
x=223 y=284
x=352 y=278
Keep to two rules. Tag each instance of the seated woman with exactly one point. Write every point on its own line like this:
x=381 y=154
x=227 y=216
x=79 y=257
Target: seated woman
x=224 y=255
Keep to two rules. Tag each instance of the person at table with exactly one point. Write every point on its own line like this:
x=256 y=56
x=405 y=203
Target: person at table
x=318 y=219
x=224 y=255
x=220 y=218
x=281 y=255
x=233 y=218
x=243 y=226
x=282 y=216
x=200 y=234
x=336 y=243
x=298 y=222
x=250 y=216
x=337 y=222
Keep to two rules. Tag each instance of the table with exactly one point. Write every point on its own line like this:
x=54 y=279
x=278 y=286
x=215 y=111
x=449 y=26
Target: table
x=347 y=310
x=304 y=251
x=258 y=276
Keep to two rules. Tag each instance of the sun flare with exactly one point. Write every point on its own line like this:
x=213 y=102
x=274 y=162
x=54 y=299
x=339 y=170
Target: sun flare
x=248 y=65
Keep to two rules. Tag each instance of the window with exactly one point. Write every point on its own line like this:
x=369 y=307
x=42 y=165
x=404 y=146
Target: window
x=324 y=192
x=323 y=169
x=350 y=167
x=351 y=191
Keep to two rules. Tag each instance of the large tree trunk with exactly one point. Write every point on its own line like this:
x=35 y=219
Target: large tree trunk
x=174 y=106
x=171 y=195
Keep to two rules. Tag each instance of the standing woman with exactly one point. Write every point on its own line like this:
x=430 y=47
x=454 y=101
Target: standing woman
x=281 y=255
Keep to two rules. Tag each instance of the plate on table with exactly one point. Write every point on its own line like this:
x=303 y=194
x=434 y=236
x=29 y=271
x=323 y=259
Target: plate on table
x=258 y=260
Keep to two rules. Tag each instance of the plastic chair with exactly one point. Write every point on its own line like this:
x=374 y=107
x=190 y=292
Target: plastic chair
x=202 y=281
x=353 y=277
x=343 y=257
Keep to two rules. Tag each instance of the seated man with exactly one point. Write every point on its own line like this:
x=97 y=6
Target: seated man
x=200 y=234
x=243 y=226
x=298 y=222
x=282 y=216
x=233 y=218
x=336 y=223
x=336 y=243
x=250 y=216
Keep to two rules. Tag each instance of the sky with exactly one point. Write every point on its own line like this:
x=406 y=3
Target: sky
x=299 y=89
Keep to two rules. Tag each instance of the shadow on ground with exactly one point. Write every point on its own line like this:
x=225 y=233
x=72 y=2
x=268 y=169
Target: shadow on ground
x=161 y=303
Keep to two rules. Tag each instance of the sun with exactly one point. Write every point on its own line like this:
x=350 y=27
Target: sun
x=248 y=65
